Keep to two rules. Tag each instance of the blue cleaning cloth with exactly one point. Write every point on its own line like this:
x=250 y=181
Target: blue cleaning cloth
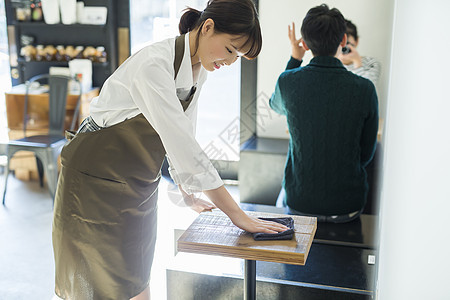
x=284 y=235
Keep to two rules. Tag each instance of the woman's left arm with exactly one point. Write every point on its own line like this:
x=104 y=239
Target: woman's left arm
x=197 y=204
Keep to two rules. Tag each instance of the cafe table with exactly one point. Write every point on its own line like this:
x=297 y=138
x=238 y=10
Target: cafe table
x=213 y=233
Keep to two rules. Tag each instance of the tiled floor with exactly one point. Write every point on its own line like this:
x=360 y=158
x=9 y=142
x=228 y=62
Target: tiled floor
x=26 y=255
x=26 y=259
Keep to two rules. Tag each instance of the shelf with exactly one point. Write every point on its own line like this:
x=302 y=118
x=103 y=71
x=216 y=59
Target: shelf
x=60 y=25
x=58 y=63
x=67 y=34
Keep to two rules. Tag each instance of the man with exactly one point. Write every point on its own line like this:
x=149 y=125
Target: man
x=332 y=116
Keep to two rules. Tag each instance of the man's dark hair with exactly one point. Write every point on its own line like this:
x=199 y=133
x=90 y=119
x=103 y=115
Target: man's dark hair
x=351 y=29
x=323 y=30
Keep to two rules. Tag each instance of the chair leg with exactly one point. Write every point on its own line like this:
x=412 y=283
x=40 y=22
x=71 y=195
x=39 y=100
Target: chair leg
x=6 y=180
x=51 y=169
x=40 y=168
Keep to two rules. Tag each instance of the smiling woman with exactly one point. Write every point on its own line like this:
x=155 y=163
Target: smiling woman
x=223 y=50
x=217 y=49
x=235 y=25
x=104 y=228
x=217 y=128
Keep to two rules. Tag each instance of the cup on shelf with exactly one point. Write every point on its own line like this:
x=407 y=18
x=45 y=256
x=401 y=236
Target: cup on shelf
x=50 y=9
x=68 y=10
x=80 y=11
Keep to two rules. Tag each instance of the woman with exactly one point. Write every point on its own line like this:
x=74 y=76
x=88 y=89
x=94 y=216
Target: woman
x=104 y=227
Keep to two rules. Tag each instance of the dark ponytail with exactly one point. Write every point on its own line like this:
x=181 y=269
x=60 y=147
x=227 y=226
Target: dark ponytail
x=235 y=17
x=189 y=20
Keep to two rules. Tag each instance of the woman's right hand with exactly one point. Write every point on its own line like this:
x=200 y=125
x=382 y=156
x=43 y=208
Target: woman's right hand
x=254 y=225
x=296 y=44
x=223 y=200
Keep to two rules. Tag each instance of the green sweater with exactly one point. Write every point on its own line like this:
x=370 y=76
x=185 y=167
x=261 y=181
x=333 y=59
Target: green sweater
x=332 y=116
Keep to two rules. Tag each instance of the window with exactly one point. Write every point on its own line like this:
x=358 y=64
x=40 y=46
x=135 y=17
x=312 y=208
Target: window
x=5 y=79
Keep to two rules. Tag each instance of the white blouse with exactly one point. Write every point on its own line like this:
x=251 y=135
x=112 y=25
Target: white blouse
x=144 y=84
x=370 y=69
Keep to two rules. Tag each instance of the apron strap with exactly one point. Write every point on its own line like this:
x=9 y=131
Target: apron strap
x=179 y=53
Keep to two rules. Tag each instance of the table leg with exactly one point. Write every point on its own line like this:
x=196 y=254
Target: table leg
x=250 y=280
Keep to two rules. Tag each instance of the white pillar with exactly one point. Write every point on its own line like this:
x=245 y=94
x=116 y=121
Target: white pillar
x=414 y=255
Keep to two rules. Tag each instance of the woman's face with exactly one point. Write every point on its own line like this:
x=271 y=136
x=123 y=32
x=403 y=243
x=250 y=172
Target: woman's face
x=351 y=40
x=216 y=50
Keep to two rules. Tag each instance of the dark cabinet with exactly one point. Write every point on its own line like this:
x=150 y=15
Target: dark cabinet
x=69 y=35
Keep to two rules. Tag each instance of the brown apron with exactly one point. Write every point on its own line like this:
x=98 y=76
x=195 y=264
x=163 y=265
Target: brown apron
x=104 y=225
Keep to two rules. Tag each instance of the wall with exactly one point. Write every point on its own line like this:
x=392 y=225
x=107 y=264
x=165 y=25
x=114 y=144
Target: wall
x=374 y=22
x=415 y=209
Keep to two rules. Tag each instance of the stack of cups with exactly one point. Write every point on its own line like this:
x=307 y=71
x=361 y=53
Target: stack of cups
x=68 y=11
x=52 y=9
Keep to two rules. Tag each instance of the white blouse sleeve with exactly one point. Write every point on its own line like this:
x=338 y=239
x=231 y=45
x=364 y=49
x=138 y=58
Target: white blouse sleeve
x=370 y=69
x=153 y=91
x=191 y=113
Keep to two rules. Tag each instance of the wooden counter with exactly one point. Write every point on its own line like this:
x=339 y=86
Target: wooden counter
x=340 y=265
x=38 y=107
x=214 y=233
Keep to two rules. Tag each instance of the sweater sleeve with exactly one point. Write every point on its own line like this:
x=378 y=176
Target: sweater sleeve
x=293 y=63
x=370 y=130
x=276 y=101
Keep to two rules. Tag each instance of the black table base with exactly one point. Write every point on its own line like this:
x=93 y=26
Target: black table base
x=250 y=280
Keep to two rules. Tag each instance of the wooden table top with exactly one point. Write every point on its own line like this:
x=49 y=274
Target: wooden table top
x=214 y=233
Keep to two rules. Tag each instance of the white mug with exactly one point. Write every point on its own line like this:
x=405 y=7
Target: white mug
x=50 y=10
x=68 y=11
x=80 y=11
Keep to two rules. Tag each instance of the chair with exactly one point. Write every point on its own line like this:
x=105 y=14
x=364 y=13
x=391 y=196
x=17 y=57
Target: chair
x=46 y=148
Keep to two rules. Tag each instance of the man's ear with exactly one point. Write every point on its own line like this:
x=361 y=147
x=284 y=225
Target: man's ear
x=304 y=45
x=344 y=41
x=208 y=26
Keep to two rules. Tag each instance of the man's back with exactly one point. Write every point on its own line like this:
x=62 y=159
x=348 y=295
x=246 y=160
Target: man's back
x=332 y=116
